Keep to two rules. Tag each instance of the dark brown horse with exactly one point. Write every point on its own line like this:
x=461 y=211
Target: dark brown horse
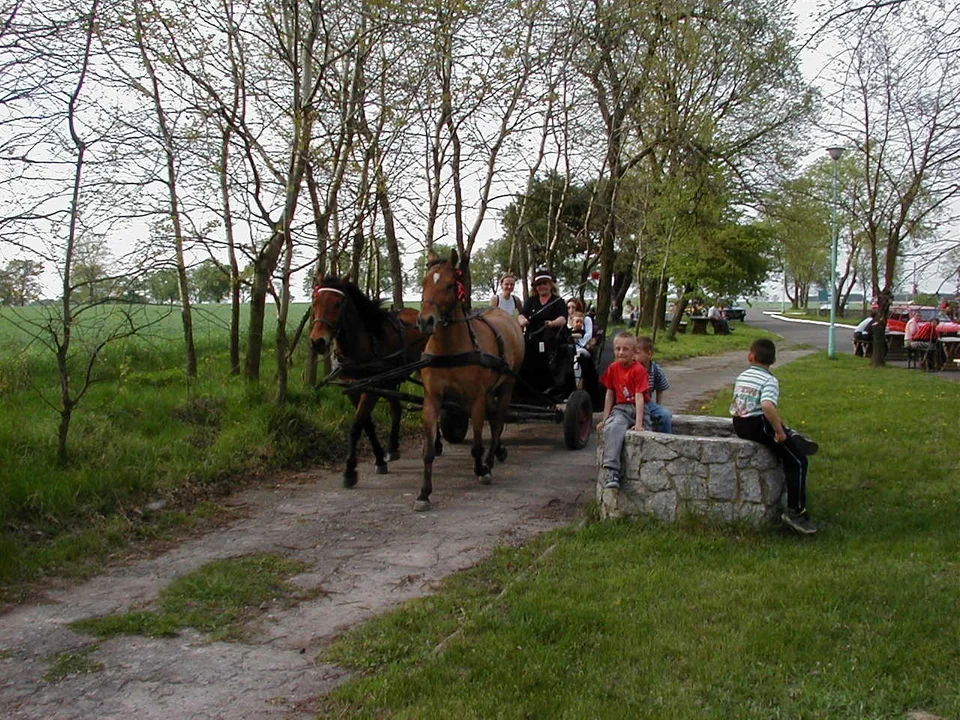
x=367 y=340
x=473 y=363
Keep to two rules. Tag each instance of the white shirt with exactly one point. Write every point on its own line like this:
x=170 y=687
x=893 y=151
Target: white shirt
x=508 y=305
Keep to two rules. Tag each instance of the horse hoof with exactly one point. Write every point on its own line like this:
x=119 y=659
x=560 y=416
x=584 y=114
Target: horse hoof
x=349 y=480
x=501 y=453
x=381 y=469
x=393 y=455
x=485 y=479
x=421 y=505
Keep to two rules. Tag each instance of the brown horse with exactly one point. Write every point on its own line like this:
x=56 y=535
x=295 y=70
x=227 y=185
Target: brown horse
x=474 y=360
x=367 y=340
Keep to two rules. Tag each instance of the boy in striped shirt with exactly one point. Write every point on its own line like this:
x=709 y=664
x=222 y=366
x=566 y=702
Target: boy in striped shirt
x=756 y=395
x=657 y=415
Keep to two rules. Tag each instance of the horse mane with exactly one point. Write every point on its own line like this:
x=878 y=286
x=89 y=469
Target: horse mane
x=373 y=315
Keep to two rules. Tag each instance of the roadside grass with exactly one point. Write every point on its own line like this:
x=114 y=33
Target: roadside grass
x=219 y=599
x=687 y=345
x=148 y=447
x=640 y=619
x=75 y=662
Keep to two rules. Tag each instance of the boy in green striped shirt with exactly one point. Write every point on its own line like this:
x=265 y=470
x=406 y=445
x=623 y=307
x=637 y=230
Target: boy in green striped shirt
x=756 y=395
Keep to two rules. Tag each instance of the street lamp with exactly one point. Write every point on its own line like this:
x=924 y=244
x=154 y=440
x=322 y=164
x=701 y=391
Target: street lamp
x=835 y=153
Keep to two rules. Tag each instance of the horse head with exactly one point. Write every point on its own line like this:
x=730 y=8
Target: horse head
x=443 y=291
x=328 y=309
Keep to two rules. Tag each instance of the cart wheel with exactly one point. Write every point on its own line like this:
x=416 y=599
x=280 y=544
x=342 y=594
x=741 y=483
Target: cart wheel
x=453 y=426
x=577 y=420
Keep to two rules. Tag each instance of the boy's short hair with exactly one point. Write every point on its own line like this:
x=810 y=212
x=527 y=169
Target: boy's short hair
x=764 y=351
x=645 y=343
x=624 y=335
x=576 y=315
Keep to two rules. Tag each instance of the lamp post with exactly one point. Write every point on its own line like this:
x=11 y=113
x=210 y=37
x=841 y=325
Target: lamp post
x=835 y=153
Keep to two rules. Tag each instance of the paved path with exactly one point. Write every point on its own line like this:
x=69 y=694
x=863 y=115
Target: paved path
x=367 y=550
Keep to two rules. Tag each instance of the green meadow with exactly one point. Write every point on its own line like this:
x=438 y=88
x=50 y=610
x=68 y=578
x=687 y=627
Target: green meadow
x=640 y=619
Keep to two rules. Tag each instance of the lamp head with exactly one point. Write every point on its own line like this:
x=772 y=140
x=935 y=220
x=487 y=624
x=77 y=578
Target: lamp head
x=835 y=153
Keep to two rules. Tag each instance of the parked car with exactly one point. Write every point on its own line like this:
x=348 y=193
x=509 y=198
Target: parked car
x=900 y=314
x=736 y=313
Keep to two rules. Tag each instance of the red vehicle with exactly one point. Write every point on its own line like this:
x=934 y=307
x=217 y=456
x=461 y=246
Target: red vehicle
x=899 y=314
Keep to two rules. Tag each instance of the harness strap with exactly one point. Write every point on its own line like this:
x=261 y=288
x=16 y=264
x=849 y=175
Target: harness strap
x=464 y=359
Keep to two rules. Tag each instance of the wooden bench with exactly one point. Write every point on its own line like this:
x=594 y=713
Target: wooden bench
x=699 y=325
x=720 y=327
x=862 y=348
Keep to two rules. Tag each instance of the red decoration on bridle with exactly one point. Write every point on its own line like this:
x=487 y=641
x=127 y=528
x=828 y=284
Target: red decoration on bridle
x=461 y=290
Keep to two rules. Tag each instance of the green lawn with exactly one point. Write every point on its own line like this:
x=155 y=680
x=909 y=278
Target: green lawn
x=638 y=619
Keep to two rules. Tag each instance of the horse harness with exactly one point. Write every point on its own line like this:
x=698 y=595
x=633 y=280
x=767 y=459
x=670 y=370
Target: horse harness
x=475 y=356
x=353 y=368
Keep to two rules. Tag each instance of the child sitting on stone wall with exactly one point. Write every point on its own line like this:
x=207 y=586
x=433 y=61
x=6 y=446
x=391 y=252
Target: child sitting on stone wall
x=628 y=388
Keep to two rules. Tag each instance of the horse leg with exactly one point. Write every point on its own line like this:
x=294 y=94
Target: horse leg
x=368 y=401
x=477 y=416
x=495 y=418
x=430 y=430
x=393 y=446
x=438 y=444
x=380 y=461
x=361 y=421
x=353 y=437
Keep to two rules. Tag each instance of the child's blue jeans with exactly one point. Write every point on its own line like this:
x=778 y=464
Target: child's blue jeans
x=660 y=416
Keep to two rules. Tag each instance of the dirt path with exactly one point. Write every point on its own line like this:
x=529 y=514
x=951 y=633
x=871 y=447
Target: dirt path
x=368 y=551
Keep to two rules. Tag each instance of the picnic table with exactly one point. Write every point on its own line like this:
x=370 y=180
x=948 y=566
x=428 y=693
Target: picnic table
x=699 y=324
x=895 y=347
x=951 y=350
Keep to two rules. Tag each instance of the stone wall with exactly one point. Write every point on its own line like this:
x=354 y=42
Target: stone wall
x=701 y=469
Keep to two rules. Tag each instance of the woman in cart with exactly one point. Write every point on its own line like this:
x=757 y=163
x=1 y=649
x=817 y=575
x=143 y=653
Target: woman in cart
x=544 y=321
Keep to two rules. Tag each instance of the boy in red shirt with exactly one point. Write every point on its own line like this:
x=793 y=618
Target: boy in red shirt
x=628 y=387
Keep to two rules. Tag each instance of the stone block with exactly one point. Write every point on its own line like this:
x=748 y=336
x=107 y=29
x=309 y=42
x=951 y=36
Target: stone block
x=716 y=451
x=721 y=477
x=722 y=482
x=663 y=505
x=750 y=485
x=653 y=476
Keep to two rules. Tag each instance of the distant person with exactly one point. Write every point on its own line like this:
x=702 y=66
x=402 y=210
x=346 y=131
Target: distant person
x=505 y=299
x=628 y=388
x=720 y=324
x=575 y=305
x=661 y=419
x=628 y=314
x=863 y=334
x=581 y=338
x=756 y=396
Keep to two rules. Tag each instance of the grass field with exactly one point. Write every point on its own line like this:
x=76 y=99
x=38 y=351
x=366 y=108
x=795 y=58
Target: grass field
x=639 y=619
x=150 y=446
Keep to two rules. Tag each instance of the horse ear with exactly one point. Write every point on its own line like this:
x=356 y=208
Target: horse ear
x=346 y=278
x=454 y=258
x=431 y=257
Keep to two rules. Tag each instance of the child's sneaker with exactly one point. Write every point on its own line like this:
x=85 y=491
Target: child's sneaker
x=804 y=444
x=612 y=480
x=798 y=522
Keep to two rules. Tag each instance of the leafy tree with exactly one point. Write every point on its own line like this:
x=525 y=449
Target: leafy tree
x=19 y=282
x=210 y=281
x=163 y=286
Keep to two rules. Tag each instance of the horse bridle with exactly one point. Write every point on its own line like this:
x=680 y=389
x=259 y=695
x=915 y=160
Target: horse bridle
x=446 y=317
x=335 y=330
